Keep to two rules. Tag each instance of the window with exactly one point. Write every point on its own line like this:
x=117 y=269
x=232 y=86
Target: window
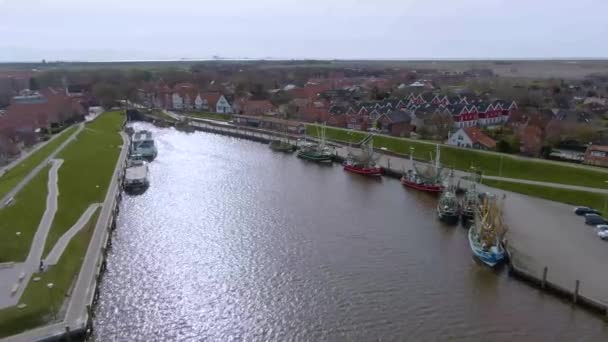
x=599 y=154
x=460 y=137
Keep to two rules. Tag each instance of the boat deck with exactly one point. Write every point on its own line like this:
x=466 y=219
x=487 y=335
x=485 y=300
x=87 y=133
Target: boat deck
x=136 y=172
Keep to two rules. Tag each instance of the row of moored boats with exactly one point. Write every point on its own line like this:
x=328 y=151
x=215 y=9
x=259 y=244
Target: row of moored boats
x=142 y=150
x=481 y=212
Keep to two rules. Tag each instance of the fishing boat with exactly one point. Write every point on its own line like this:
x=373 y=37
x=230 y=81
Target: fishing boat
x=487 y=233
x=282 y=146
x=470 y=201
x=366 y=162
x=448 y=206
x=428 y=180
x=142 y=144
x=317 y=152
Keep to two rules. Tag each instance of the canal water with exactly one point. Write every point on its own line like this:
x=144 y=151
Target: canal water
x=233 y=242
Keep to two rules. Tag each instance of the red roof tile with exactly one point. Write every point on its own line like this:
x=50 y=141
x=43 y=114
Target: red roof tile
x=478 y=137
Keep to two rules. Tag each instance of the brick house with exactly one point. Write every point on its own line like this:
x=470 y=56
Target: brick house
x=472 y=137
x=596 y=155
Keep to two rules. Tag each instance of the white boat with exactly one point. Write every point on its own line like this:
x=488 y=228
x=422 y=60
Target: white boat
x=136 y=175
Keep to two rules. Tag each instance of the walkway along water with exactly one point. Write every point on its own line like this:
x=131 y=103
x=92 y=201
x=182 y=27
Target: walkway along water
x=543 y=234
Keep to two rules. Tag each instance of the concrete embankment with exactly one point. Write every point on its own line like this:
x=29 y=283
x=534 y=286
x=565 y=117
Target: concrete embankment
x=543 y=235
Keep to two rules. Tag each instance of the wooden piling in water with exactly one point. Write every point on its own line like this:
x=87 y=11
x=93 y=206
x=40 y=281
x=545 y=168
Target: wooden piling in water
x=544 y=281
x=575 y=294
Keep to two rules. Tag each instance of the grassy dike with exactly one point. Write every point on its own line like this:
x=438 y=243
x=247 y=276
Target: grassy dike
x=23 y=216
x=86 y=172
x=16 y=174
x=41 y=303
x=83 y=179
x=489 y=163
x=573 y=197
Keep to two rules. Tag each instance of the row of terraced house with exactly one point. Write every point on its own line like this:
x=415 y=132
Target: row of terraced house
x=401 y=116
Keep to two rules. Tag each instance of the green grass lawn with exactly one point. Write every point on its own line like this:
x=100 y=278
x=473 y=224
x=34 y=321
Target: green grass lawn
x=86 y=172
x=16 y=174
x=489 y=163
x=573 y=197
x=37 y=296
x=211 y=116
x=23 y=216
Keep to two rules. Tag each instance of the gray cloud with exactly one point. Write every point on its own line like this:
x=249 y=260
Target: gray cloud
x=138 y=29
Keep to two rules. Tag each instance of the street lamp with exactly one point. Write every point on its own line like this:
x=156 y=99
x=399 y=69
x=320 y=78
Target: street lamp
x=50 y=287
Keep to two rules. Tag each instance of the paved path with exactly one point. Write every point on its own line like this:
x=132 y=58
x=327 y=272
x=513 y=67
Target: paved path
x=36 y=170
x=24 y=270
x=7 y=167
x=53 y=257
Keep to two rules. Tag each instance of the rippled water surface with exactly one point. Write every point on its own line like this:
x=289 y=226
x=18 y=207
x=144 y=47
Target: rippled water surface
x=234 y=242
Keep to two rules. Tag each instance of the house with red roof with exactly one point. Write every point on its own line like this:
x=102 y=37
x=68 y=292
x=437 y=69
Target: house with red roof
x=257 y=107
x=472 y=137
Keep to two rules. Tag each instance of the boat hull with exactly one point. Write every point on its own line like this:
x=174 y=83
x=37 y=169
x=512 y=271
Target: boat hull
x=365 y=171
x=491 y=258
x=316 y=157
x=449 y=218
x=422 y=187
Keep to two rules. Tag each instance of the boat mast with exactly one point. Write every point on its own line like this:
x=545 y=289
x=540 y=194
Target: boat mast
x=437 y=157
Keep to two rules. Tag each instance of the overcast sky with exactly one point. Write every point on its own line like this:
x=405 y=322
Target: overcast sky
x=342 y=29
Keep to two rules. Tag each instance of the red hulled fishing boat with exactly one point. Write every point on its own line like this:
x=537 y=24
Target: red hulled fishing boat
x=365 y=163
x=429 y=180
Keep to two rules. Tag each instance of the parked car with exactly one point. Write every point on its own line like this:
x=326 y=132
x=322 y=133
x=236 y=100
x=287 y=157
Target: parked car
x=595 y=219
x=603 y=235
x=586 y=210
x=601 y=228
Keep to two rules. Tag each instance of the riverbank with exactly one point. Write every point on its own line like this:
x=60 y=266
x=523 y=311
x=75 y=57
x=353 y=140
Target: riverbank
x=490 y=163
x=94 y=169
x=524 y=218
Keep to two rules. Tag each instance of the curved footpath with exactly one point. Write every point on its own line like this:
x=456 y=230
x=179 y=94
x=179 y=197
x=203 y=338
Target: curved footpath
x=55 y=254
x=4 y=200
x=14 y=280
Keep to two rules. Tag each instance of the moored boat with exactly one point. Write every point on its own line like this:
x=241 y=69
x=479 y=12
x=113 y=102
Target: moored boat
x=364 y=163
x=428 y=180
x=317 y=152
x=282 y=146
x=142 y=144
x=448 y=207
x=487 y=233
x=136 y=175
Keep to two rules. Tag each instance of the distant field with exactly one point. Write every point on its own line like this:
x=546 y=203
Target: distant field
x=489 y=163
x=568 y=69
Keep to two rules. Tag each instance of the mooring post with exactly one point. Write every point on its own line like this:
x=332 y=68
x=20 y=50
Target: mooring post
x=67 y=333
x=544 y=282
x=388 y=163
x=575 y=296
